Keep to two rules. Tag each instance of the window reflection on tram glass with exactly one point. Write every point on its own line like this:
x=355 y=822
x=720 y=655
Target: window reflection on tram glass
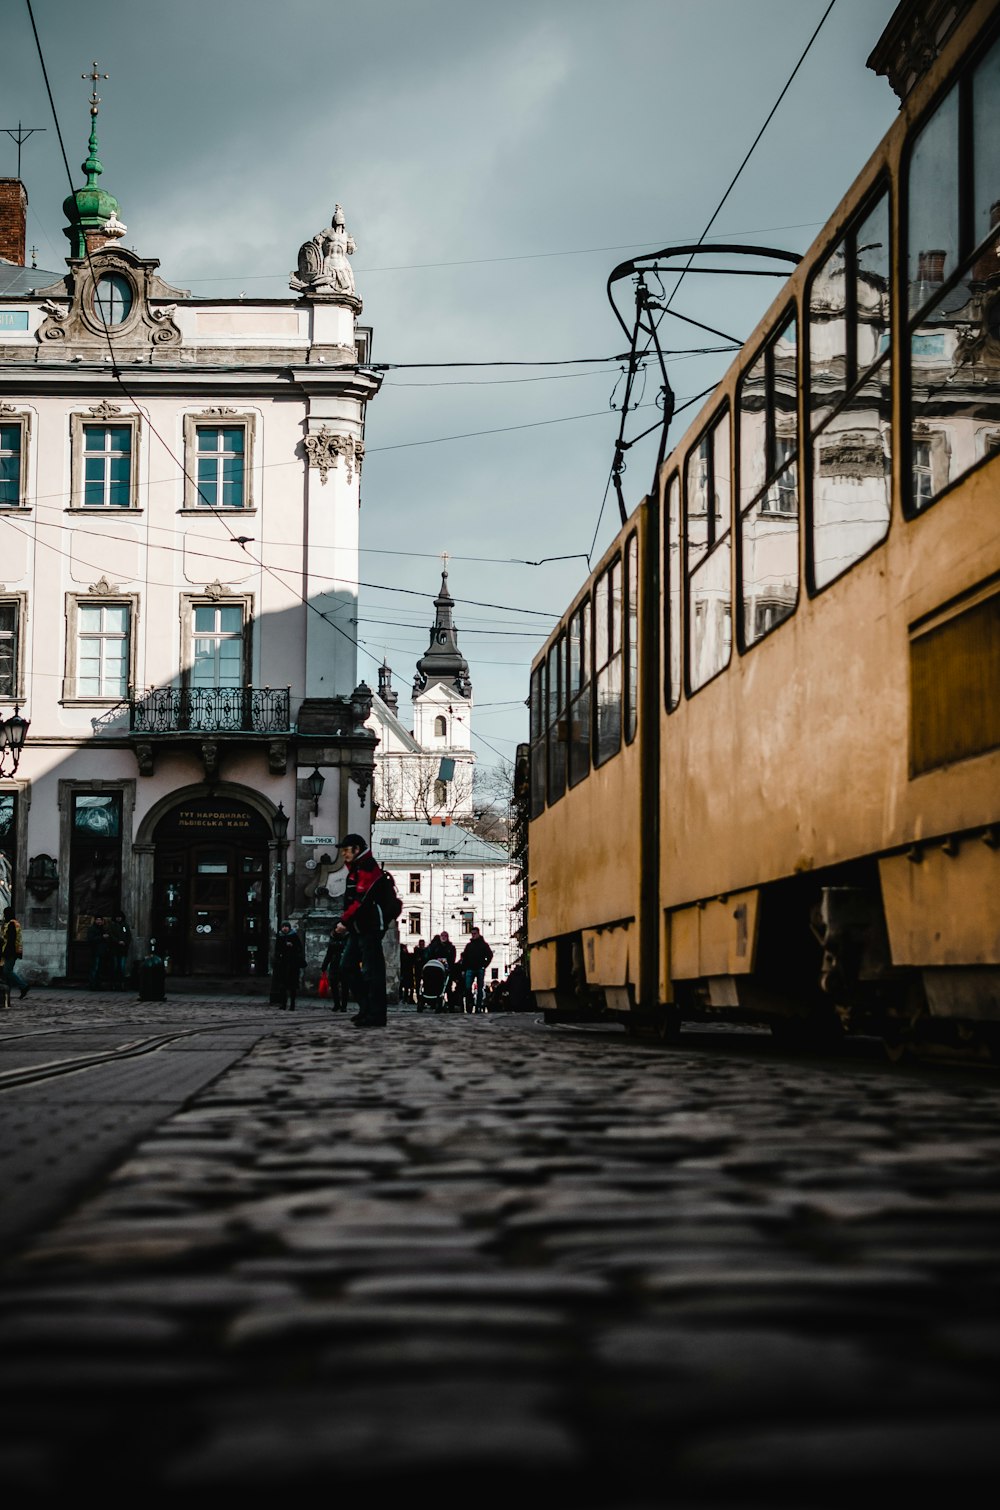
x=608 y=662
x=850 y=396
x=710 y=631
x=537 y=735
x=556 y=757
x=674 y=606
x=579 y=694
x=768 y=483
x=953 y=223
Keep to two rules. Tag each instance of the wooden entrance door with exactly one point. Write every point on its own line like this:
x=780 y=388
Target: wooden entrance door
x=210 y=907
x=211 y=919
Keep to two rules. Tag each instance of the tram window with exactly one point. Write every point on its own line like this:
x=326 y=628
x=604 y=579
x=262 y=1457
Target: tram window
x=579 y=694
x=608 y=662
x=828 y=336
x=933 y=207
x=556 y=721
x=954 y=229
x=674 y=601
x=753 y=429
x=632 y=639
x=850 y=397
x=852 y=481
x=537 y=730
x=985 y=114
x=871 y=287
x=768 y=487
x=710 y=615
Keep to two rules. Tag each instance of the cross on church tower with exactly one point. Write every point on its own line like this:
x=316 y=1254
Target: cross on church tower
x=95 y=77
x=445 y=558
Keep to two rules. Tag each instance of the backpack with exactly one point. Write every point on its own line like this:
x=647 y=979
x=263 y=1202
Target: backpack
x=389 y=899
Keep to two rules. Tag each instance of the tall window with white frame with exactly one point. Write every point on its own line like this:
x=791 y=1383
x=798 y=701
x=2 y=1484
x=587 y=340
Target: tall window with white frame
x=220 y=466
x=102 y=650
x=11 y=442
x=218 y=645
x=107 y=466
x=413 y=924
x=8 y=649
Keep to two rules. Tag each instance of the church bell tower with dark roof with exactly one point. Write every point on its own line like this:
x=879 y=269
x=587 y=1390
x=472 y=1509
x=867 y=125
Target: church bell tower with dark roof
x=442 y=689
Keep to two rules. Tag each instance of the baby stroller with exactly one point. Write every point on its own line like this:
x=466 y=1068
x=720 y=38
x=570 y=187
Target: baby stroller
x=433 y=986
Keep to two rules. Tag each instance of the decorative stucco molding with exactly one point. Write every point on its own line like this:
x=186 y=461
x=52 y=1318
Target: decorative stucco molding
x=325 y=447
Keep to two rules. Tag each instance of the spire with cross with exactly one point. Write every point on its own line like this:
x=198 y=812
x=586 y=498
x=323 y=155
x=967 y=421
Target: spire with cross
x=443 y=661
x=92 y=211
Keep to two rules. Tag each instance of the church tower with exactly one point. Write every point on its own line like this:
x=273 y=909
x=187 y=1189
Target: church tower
x=442 y=703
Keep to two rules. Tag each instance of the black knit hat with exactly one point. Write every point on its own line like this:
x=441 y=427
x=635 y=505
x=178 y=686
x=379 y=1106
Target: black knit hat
x=354 y=840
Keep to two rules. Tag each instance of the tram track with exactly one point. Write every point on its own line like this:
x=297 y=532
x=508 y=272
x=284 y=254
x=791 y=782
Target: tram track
x=39 y=1073
x=69 y=1063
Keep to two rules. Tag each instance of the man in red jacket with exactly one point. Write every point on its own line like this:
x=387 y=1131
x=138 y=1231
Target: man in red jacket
x=362 y=925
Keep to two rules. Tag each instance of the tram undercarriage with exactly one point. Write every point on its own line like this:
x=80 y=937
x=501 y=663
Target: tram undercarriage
x=819 y=966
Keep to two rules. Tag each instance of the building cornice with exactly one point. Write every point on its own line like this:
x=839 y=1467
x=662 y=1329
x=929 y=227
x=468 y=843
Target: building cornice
x=66 y=379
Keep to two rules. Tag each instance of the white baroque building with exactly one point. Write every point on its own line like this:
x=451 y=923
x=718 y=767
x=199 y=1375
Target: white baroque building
x=449 y=878
x=179 y=523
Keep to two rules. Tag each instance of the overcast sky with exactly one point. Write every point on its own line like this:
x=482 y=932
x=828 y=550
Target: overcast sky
x=494 y=163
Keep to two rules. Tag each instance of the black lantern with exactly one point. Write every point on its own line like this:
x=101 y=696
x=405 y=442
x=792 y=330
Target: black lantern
x=13 y=733
x=315 y=783
x=279 y=824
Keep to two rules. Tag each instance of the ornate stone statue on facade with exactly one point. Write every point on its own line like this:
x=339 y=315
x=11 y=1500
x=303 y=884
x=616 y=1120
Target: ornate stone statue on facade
x=323 y=262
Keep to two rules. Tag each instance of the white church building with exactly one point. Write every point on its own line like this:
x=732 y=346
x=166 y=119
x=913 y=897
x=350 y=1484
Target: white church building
x=449 y=878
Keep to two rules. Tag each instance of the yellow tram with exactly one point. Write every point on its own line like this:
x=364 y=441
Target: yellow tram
x=765 y=736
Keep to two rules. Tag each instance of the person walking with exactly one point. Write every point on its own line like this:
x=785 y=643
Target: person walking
x=289 y=958
x=340 y=986
x=405 y=974
x=11 y=949
x=442 y=948
x=361 y=927
x=120 y=939
x=99 y=940
x=475 y=957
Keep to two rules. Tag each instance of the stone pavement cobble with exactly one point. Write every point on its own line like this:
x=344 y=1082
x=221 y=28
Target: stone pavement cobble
x=481 y=1258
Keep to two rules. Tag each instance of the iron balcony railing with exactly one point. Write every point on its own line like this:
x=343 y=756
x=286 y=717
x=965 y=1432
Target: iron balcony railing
x=211 y=710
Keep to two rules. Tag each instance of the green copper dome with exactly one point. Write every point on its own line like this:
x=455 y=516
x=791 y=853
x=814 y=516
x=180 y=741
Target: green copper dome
x=89 y=208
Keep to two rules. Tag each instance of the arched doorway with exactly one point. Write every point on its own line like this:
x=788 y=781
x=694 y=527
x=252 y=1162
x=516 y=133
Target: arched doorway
x=210 y=887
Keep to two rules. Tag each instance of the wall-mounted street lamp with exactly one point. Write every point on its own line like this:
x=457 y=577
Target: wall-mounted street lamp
x=279 y=827
x=279 y=824
x=314 y=786
x=13 y=733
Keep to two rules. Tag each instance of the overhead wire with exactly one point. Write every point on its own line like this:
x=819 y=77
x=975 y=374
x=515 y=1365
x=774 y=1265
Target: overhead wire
x=665 y=308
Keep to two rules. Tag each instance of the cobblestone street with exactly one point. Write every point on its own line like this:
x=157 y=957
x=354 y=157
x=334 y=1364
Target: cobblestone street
x=482 y=1258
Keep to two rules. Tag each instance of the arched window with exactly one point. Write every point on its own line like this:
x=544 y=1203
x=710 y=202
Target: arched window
x=440 y=726
x=440 y=793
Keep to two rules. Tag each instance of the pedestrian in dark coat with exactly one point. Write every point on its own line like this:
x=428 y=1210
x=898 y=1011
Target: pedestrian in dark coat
x=99 y=940
x=120 y=940
x=361 y=927
x=405 y=973
x=11 y=950
x=340 y=992
x=289 y=958
x=475 y=957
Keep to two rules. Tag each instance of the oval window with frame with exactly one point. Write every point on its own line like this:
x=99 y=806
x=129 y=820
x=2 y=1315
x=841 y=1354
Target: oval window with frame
x=113 y=299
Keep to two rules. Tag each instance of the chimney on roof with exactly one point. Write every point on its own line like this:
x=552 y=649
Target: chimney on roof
x=930 y=267
x=13 y=220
